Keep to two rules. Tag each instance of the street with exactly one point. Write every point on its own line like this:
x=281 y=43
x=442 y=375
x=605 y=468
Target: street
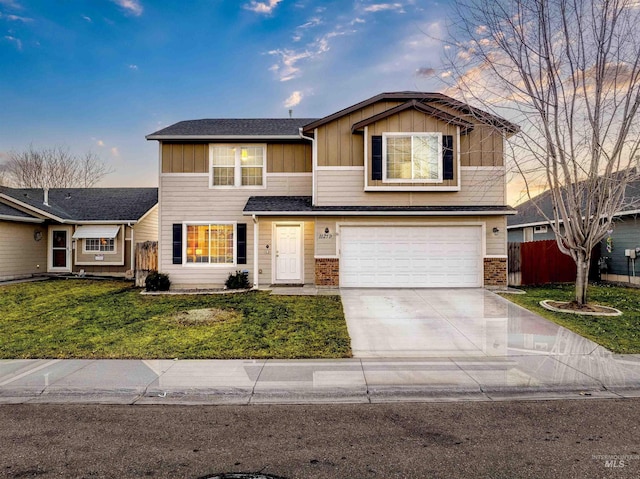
x=545 y=439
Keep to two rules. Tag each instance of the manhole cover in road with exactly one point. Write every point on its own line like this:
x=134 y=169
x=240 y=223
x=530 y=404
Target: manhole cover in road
x=241 y=475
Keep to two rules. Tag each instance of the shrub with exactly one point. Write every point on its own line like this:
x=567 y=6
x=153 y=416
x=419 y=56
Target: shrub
x=239 y=280
x=157 y=282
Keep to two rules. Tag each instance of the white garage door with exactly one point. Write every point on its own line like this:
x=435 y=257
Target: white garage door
x=411 y=256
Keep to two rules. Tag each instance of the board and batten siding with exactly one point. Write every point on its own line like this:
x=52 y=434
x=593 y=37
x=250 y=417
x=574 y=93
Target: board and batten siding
x=345 y=187
x=194 y=157
x=189 y=199
x=21 y=255
x=411 y=121
x=338 y=146
x=495 y=242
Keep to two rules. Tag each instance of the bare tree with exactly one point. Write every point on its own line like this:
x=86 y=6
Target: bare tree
x=54 y=167
x=568 y=72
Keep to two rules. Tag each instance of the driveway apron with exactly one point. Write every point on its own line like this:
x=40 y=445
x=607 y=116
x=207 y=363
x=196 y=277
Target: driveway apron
x=431 y=323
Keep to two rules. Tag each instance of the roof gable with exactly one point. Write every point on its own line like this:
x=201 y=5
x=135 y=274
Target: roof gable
x=421 y=107
x=423 y=98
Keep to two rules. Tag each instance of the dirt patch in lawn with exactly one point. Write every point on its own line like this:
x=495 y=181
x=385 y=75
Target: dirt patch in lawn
x=195 y=317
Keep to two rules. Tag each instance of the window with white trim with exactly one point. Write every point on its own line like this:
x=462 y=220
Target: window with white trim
x=414 y=157
x=238 y=165
x=100 y=245
x=210 y=244
x=539 y=229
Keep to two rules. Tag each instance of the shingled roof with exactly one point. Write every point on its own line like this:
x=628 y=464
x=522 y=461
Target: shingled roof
x=8 y=212
x=232 y=128
x=529 y=215
x=303 y=205
x=86 y=204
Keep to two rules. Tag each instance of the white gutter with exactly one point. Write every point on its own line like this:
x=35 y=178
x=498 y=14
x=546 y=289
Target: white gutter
x=11 y=199
x=545 y=222
x=222 y=137
x=21 y=219
x=314 y=163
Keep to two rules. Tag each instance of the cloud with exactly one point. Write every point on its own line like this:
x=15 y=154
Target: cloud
x=294 y=99
x=16 y=18
x=88 y=19
x=115 y=152
x=425 y=72
x=262 y=7
x=11 y=4
x=133 y=67
x=287 y=68
x=131 y=6
x=381 y=7
x=15 y=40
x=100 y=143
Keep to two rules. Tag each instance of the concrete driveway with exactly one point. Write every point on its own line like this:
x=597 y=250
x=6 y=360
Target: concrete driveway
x=429 y=323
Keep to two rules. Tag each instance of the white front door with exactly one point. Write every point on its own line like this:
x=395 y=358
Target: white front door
x=59 y=249
x=288 y=254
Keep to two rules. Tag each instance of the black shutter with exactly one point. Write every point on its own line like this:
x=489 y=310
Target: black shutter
x=177 y=243
x=376 y=157
x=447 y=157
x=241 y=243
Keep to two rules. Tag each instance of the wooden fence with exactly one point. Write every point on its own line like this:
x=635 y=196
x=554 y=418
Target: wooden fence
x=146 y=260
x=541 y=262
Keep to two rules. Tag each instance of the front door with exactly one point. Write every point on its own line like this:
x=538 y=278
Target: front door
x=288 y=254
x=60 y=249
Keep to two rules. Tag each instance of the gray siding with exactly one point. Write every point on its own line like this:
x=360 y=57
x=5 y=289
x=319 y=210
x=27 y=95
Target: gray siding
x=626 y=235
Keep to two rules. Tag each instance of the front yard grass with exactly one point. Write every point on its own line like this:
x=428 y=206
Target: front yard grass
x=620 y=334
x=111 y=319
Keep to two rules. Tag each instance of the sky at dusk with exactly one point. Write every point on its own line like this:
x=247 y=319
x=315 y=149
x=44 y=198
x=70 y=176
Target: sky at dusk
x=99 y=75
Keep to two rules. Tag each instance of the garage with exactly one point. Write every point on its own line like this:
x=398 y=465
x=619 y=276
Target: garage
x=411 y=256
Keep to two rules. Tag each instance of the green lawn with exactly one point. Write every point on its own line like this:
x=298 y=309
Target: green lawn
x=111 y=319
x=620 y=334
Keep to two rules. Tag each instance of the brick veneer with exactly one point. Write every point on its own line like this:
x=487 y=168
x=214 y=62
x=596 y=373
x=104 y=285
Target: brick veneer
x=495 y=272
x=327 y=272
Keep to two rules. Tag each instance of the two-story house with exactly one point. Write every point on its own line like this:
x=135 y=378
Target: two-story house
x=405 y=189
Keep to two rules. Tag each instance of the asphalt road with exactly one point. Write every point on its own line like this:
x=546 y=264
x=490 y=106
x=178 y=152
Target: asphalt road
x=545 y=439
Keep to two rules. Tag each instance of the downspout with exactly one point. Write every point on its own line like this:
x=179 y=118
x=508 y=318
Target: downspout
x=256 y=274
x=132 y=260
x=313 y=167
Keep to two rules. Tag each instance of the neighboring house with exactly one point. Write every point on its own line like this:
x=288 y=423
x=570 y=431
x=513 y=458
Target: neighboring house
x=74 y=230
x=530 y=225
x=404 y=189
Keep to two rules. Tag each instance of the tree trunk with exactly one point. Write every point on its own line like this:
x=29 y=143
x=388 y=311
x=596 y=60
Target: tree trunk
x=582 y=277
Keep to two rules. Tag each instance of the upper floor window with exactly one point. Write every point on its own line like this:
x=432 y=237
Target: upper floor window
x=414 y=157
x=237 y=165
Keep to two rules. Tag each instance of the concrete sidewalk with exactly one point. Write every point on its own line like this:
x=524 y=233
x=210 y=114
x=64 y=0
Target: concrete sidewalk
x=545 y=376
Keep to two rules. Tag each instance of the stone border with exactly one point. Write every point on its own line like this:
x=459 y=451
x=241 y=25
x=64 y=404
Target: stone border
x=545 y=305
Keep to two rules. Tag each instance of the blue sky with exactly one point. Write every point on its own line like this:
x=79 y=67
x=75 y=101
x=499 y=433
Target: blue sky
x=99 y=75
